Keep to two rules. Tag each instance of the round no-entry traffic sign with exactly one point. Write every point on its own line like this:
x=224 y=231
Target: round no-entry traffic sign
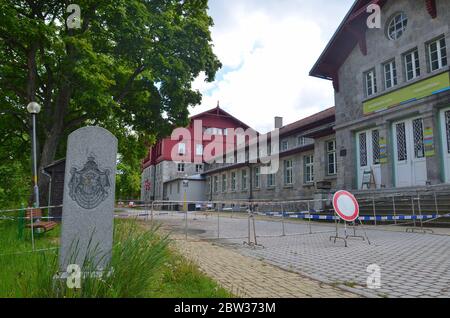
x=346 y=206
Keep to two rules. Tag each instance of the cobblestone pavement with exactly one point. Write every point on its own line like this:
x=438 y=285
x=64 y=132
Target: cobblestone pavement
x=248 y=277
x=412 y=264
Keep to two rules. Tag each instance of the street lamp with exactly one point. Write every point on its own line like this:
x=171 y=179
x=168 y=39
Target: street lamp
x=185 y=207
x=185 y=186
x=34 y=108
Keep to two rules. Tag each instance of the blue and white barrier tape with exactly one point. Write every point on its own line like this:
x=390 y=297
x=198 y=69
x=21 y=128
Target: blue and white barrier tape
x=305 y=215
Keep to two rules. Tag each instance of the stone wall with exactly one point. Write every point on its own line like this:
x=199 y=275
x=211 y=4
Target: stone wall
x=349 y=110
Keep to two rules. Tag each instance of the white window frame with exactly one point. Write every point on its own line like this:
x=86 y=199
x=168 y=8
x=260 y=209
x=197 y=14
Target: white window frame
x=198 y=168
x=397 y=32
x=181 y=148
x=439 y=49
x=233 y=181
x=199 y=150
x=181 y=167
x=331 y=152
x=224 y=183
x=257 y=177
x=244 y=180
x=284 y=145
x=415 y=64
x=271 y=180
x=390 y=74
x=309 y=168
x=288 y=172
x=370 y=79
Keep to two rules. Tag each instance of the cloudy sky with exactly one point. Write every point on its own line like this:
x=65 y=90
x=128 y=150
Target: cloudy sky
x=267 y=48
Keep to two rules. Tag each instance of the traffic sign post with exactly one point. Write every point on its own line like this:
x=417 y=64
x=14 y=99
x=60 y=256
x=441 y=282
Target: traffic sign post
x=347 y=208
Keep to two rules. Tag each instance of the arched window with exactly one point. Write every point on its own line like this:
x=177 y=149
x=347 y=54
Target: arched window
x=397 y=26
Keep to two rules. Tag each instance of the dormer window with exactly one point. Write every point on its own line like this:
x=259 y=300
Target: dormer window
x=397 y=26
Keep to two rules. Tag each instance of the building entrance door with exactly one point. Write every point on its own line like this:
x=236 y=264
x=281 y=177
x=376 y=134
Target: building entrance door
x=368 y=156
x=445 y=130
x=409 y=153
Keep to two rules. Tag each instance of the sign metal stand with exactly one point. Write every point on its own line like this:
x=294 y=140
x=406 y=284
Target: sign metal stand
x=347 y=208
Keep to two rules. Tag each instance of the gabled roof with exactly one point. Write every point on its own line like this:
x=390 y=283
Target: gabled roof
x=350 y=33
x=217 y=111
x=312 y=121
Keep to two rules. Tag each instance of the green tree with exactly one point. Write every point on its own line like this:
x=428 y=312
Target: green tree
x=129 y=68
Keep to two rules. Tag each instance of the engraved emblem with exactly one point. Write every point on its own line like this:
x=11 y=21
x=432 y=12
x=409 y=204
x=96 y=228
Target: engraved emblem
x=89 y=186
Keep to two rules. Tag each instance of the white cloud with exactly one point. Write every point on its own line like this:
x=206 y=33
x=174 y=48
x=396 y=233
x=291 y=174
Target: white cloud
x=267 y=49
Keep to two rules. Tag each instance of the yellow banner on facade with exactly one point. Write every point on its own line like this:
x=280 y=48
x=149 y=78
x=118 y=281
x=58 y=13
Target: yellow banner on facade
x=422 y=89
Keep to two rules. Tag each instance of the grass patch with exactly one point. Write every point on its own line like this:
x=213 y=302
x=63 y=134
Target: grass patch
x=142 y=266
x=181 y=278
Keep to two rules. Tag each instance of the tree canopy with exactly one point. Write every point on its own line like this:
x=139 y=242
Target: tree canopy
x=129 y=68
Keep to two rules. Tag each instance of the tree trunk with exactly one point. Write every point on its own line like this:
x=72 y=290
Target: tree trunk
x=52 y=141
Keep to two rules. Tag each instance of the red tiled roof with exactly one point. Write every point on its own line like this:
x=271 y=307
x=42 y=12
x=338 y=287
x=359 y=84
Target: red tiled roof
x=217 y=111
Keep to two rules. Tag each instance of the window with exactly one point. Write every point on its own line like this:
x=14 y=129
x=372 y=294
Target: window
x=302 y=141
x=363 y=149
x=397 y=26
x=402 y=153
x=224 y=183
x=331 y=158
x=376 y=147
x=419 y=148
x=412 y=65
x=309 y=168
x=170 y=189
x=225 y=132
x=181 y=149
x=257 y=178
x=390 y=74
x=199 y=150
x=213 y=131
x=437 y=54
x=271 y=180
x=198 y=168
x=371 y=82
x=216 y=184
x=181 y=167
x=447 y=128
x=284 y=145
x=244 y=180
x=288 y=172
x=233 y=181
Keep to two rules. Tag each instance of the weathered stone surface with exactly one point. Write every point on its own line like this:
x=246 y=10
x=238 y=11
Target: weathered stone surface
x=88 y=204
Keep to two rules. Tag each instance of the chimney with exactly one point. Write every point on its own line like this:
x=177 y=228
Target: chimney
x=278 y=122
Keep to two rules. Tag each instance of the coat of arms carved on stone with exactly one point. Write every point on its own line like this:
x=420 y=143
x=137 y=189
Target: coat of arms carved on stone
x=89 y=186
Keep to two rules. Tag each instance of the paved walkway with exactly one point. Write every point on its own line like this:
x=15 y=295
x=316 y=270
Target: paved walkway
x=248 y=277
x=412 y=264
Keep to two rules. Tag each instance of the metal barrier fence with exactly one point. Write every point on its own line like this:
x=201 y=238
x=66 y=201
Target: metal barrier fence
x=215 y=220
x=285 y=218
